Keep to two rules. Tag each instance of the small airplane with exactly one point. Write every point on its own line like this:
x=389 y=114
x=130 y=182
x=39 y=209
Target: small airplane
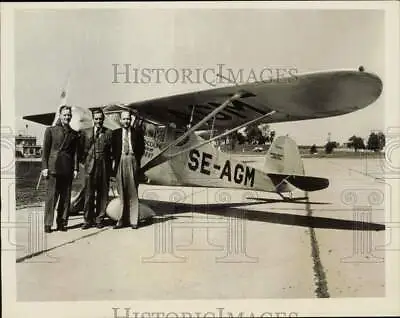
x=177 y=155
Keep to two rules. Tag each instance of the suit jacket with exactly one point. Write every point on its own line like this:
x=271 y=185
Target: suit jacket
x=60 y=147
x=137 y=142
x=103 y=148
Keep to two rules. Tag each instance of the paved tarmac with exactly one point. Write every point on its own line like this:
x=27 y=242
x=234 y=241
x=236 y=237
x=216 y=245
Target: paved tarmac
x=219 y=244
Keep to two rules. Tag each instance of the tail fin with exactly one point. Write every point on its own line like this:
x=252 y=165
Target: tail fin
x=63 y=101
x=284 y=157
x=284 y=167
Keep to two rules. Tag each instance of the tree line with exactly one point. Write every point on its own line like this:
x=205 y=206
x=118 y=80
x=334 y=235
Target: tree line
x=375 y=142
x=252 y=134
x=262 y=134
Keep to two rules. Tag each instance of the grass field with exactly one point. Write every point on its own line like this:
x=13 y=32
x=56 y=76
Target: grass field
x=345 y=154
x=305 y=152
x=27 y=175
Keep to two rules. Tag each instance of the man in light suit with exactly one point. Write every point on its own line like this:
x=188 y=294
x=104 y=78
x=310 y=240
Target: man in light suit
x=95 y=153
x=128 y=148
x=59 y=167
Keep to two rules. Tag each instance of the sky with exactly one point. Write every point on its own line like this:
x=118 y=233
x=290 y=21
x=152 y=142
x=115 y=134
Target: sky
x=83 y=44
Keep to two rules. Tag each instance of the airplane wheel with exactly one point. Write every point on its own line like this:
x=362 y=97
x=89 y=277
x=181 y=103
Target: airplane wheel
x=114 y=210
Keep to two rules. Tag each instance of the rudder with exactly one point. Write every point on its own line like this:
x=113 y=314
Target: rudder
x=283 y=157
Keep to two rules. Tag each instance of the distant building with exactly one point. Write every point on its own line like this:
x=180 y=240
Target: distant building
x=26 y=147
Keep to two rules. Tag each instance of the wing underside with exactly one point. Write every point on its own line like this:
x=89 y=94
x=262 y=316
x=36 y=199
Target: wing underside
x=309 y=96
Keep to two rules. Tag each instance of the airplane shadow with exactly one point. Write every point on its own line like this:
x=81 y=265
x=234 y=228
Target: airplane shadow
x=293 y=201
x=164 y=207
x=109 y=222
x=231 y=210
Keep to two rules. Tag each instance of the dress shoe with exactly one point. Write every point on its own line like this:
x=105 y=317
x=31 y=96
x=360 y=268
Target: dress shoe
x=118 y=226
x=99 y=225
x=62 y=228
x=47 y=229
x=135 y=227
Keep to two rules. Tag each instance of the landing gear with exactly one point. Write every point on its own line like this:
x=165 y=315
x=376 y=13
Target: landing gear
x=290 y=198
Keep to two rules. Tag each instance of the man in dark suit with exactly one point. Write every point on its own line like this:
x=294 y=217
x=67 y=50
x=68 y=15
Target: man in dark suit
x=95 y=151
x=128 y=149
x=60 y=166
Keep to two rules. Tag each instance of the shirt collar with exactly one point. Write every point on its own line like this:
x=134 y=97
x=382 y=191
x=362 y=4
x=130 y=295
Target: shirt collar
x=58 y=123
x=97 y=129
x=66 y=127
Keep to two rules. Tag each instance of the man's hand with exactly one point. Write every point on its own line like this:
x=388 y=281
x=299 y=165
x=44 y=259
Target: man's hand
x=45 y=173
x=75 y=173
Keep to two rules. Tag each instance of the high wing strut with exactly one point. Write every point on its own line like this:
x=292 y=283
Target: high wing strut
x=191 y=117
x=221 y=135
x=212 y=127
x=169 y=157
x=158 y=158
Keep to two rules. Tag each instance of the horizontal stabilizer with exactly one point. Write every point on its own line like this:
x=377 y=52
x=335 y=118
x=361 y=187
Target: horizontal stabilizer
x=302 y=182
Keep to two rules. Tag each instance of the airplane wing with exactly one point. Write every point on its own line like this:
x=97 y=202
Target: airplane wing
x=307 y=96
x=44 y=119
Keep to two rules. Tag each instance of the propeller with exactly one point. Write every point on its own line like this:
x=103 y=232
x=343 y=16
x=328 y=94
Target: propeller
x=82 y=119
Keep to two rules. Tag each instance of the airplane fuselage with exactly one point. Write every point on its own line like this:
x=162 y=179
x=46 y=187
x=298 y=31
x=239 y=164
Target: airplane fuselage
x=205 y=166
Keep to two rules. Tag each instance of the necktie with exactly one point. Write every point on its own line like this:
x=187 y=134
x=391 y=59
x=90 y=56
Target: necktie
x=97 y=133
x=126 y=142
